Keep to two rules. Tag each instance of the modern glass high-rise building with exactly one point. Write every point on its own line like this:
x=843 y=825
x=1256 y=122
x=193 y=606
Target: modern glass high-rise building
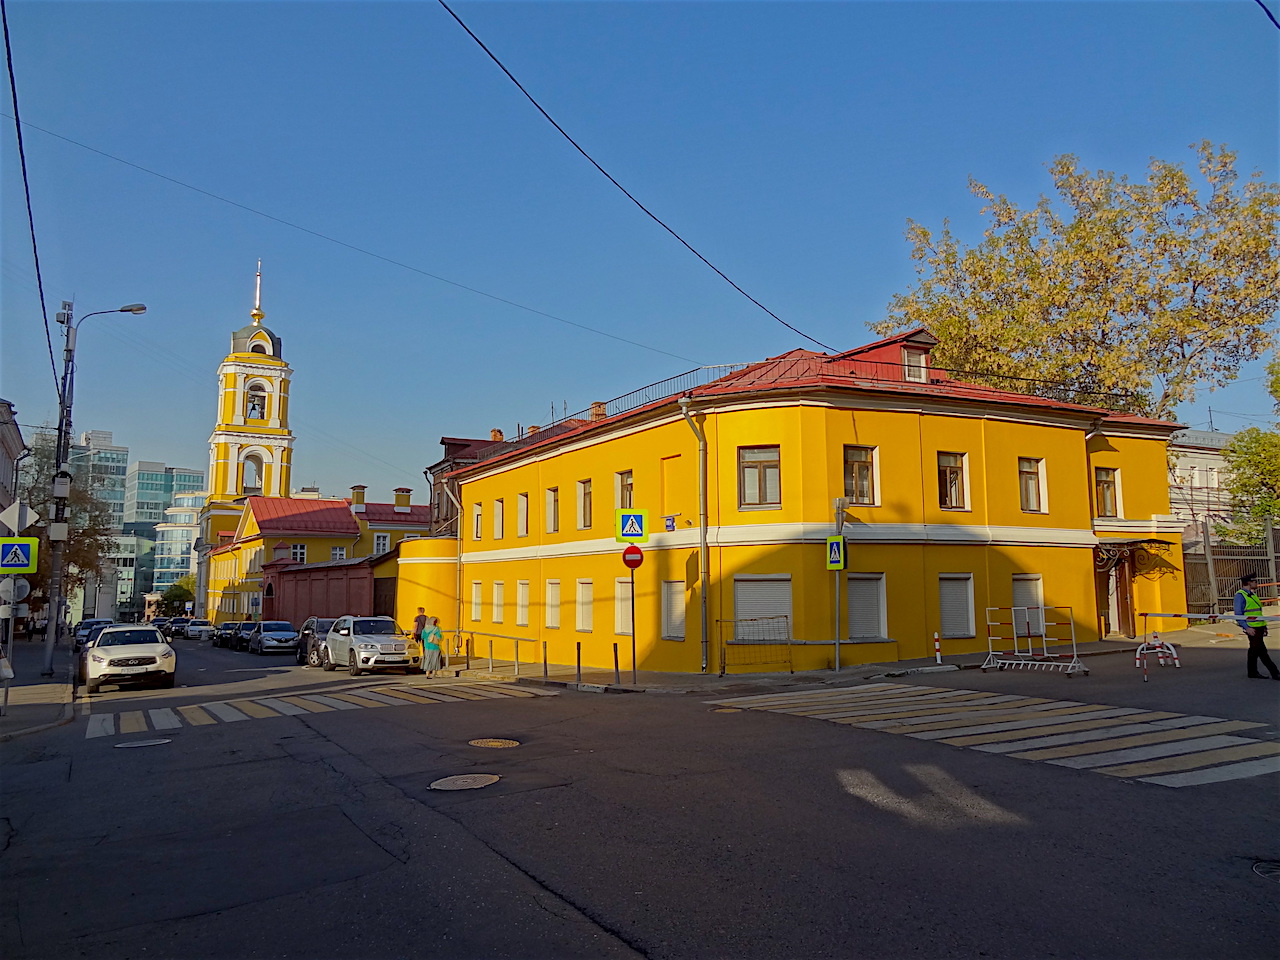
x=175 y=541
x=106 y=464
x=150 y=488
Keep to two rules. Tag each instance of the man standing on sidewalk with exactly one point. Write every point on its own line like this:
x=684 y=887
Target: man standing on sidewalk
x=1248 y=611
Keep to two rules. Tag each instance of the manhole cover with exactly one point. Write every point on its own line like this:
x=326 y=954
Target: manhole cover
x=466 y=781
x=142 y=743
x=1268 y=869
x=497 y=743
x=727 y=710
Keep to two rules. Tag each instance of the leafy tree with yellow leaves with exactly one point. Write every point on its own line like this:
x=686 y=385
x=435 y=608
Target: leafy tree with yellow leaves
x=1134 y=293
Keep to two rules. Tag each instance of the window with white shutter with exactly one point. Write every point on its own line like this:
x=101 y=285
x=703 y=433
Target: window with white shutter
x=477 y=601
x=499 y=599
x=955 y=602
x=672 y=609
x=553 y=605
x=761 y=601
x=586 y=599
x=522 y=603
x=865 y=592
x=1028 y=593
x=622 y=607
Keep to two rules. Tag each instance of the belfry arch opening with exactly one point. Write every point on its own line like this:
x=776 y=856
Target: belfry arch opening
x=255 y=402
x=258 y=348
x=251 y=475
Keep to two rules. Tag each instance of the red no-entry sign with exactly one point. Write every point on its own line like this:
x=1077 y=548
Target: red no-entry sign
x=632 y=556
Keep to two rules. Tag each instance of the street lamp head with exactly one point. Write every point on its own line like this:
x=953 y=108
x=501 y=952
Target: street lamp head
x=133 y=308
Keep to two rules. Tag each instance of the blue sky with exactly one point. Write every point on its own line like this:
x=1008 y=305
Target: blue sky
x=788 y=142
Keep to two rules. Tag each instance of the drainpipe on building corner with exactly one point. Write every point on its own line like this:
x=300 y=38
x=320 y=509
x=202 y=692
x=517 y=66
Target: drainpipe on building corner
x=702 y=523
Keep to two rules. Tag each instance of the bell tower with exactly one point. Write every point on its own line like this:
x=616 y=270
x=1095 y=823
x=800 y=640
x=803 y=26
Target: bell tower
x=251 y=448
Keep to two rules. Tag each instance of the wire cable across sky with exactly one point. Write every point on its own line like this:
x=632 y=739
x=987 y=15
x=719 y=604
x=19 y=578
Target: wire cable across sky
x=654 y=217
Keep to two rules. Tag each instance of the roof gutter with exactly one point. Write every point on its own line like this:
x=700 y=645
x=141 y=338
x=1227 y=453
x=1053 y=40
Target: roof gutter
x=685 y=403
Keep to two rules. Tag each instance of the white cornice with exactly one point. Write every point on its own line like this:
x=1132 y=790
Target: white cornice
x=1157 y=524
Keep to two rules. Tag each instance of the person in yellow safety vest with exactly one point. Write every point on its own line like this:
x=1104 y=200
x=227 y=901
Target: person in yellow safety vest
x=1248 y=612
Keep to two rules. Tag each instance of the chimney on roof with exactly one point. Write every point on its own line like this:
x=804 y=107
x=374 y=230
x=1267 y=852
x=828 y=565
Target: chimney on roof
x=533 y=428
x=598 y=411
x=357 y=498
x=402 y=500
x=495 y=435
x=280 y=551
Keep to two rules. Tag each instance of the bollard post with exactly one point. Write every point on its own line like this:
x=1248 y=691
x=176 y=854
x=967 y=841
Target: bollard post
x=544 y=659
x=617 y=676
x=516 y=644
x=491 y=656
x=937 y=648
x=579 y=668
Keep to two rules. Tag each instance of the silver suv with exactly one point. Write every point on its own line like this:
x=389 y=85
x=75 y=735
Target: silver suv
x=370 y=643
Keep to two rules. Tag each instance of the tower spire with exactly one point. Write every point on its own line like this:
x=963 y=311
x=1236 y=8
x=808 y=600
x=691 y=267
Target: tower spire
x=257 y=313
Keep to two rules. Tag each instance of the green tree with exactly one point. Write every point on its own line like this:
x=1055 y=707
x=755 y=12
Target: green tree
x=173 y=602
x=1147 y=290
x=90 y=536
x=1253 y=480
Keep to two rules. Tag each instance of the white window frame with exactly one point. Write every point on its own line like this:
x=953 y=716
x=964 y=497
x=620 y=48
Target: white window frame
x=499 y=516
x=967 y=506
x=966 y=578
x=742 y=579
x=337 y=553
x=553 y=510
x=584 y=604
x=551 y=605
x=477 y=601
x=915 y=365
x=522 y=515
x=1042 y=488
x=298 y=552
x=477 y=522
x=585 y=504
x=381 y=542
x=762 y=484
x=673 y=600
x=499 y=600
x=624 y=482
x=522 y=603
x=1119 y=494
x=883 y=626
x=622 y=625
x=875 y=473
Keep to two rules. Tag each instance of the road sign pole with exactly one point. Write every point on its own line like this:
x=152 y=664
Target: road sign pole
x=839 y=575
x=633 y=627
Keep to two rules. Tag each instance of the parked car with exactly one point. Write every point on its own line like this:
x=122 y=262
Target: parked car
x=127 y=653
x=177 y=627
x=225 y=633
x=195 y=627
x=272 y=636
x=159 y=623
x=84 y=626
x=370 y=643
x=94 y=632
x=241 y=640
x=311 y=638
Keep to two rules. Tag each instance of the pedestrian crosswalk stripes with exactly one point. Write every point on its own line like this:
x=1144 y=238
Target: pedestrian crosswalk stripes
x=1154 y=746
x=261 y=708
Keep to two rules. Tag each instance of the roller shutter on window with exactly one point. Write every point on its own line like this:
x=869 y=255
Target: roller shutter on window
x=866 y=610
x=955 y=606
x=673 y=610
x=1027 y=592
x=756 y=599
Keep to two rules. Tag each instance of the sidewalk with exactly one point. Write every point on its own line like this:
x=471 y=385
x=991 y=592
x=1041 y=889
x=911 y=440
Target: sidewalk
x=36 y=702
x=650 y=681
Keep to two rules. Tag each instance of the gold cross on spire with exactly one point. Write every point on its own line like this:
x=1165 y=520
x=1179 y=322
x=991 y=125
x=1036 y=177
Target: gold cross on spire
x=257 y=313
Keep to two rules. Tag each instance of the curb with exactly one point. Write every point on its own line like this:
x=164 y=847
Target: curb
x=68 y=714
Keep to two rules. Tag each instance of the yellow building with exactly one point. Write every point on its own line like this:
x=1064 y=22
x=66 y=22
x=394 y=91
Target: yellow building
x=956 y=498
x=250 y=509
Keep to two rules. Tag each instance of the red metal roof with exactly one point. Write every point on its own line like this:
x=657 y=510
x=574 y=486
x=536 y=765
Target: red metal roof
x=419 y=513
x=287 y=515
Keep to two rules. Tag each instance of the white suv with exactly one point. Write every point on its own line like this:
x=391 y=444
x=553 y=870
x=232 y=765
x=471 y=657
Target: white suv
x=370 y=643
x=128 y=652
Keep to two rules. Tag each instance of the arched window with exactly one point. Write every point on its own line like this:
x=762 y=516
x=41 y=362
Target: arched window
x=251 y=477
x=258 y=348
x=255 y=403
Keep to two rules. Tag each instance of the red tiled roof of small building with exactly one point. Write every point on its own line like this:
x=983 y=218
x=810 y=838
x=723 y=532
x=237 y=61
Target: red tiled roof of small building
x=419 y=513
x=286 y=514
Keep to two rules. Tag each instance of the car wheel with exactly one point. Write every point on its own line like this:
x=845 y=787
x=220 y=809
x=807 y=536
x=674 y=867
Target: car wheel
x=93 y=687
x=352 y=666
x=313 y=656
x=325 y=662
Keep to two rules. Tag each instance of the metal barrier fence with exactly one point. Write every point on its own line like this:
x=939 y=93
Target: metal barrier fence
x=754 y=642
x=1026 y=629
x=464 y=650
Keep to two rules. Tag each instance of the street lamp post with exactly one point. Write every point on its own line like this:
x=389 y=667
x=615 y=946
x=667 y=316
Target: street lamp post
x=62 y=475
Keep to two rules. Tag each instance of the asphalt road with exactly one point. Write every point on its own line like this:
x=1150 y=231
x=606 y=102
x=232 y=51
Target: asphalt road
x=625 y=825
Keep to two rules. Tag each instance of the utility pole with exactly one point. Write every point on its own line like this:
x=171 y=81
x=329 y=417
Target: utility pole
x=61 y=487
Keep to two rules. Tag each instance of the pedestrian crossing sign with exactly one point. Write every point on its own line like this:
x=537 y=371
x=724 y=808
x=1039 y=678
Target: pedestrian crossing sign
x=837 y=555
x=631 y=525
x=18 y=554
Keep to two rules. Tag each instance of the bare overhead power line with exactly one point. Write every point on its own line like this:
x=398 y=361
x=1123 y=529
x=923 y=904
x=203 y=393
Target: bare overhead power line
x=652 y=216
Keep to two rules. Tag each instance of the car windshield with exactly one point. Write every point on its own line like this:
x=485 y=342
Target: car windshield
x=277 y=626
x=122 y=638
x=376 y=628
x=198 y=623
x=325 y=625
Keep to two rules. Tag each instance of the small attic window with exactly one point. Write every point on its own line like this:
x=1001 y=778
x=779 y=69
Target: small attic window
x=258 y=348
x=915 y=365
